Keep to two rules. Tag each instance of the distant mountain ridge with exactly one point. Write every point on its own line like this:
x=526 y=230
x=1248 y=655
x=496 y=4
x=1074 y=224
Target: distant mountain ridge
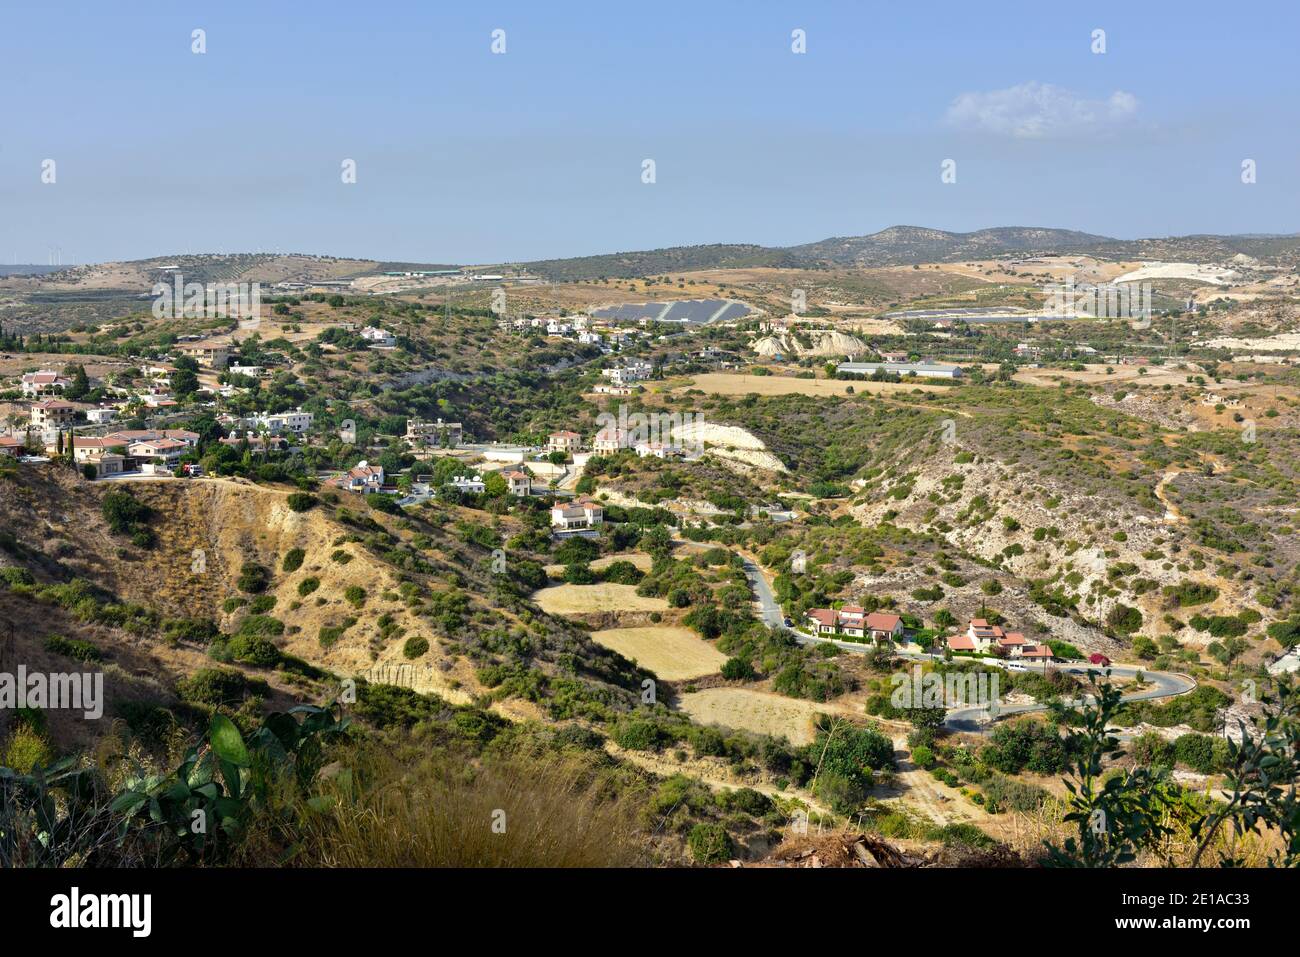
x=894 y=246
x=912 y=245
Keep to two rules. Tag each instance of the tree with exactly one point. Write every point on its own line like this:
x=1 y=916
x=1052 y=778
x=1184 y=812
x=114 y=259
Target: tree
x=184 y=382
x=1116 y=819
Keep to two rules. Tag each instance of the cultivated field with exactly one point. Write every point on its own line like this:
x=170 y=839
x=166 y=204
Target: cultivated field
x=639 y=559
x=1095 y=372
x=670 y=652
x=757 y=711
x=725 y=383
x=582 y=599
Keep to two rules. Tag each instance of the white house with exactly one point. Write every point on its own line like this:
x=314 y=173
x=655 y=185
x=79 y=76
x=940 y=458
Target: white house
x=564 y=441
x=518 y=482
x=363 y=478
x=468 y=483
x=296 y=421
x=609 y=440
x=572 y=516
x=855 y=622
x=378 y=338
x=44 y=382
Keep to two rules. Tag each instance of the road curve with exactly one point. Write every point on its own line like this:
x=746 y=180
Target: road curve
x=1163 y=684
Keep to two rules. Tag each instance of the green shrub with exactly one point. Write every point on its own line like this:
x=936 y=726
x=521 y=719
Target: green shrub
x=308 y=585
x=301 y=501
x=253 y=578
x=737 y=669
x=254 y=649
x=218 y=686
x=293 y=560
x=415 y=646
x=710 y=844
x=73 y=648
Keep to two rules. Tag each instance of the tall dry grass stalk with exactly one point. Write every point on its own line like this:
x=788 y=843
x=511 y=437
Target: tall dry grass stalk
x=441 y=813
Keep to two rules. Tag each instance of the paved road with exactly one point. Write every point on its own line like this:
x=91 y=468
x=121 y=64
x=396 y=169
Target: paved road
x=1162 y=684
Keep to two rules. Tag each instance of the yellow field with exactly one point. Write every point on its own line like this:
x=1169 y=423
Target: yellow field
x=668 y=651
x=639 y=559
x=1095 y=372
x=757 y=711
x=726 y=383
x=581 y=599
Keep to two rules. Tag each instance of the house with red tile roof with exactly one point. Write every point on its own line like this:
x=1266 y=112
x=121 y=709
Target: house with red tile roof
x=52 y=414
x=853 y=621
x=363 y=478
x=564 y=441
x=962 y=642
x=11 y=445
x=45 y=382
x=518 y=482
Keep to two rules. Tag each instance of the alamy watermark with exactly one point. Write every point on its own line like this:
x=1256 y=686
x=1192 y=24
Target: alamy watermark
x=54 y=691
x=214 y=300
x=1068 y=300
x=653 y=432
x=956 y=689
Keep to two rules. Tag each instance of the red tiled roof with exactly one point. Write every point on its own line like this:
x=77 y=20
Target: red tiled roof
x=961 y=643
x=823 y=616
x=880 y=621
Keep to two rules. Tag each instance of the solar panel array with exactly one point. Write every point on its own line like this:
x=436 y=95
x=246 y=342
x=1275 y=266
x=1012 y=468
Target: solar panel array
x=695 y=311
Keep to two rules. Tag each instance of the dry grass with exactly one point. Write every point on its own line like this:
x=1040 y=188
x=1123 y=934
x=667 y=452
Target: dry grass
x=670 y=652
x=725 y=383
x=605 y=597
x=516 y=811
x=757 y=711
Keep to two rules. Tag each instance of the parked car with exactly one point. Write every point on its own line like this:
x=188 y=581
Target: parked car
x=1097 y=658
x=1016 y=666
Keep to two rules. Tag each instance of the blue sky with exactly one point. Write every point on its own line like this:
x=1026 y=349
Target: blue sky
x=467 y=156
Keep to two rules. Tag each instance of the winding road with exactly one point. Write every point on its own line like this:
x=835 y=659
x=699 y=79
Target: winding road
x=975 y=720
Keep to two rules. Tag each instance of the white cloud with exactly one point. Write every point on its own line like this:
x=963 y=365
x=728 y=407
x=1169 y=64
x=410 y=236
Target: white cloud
x=1039 y=111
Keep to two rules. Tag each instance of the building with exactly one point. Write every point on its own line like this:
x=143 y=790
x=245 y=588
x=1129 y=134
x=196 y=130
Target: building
x=607 y=388
x=258 y=443
x=364 y=479
x=296 y=421
x=253 y=372
x=53 y=414
x=100 y=416
x=656 y=450
x=565 y=441
x=164 y=452
x=422 y=434
x=127 y=436
x=378 y=338
x=578 y=515
x=43 y=383
x=468 y=483
x=210 y=355
x=855 y=622
x=634 y=370
x=609 y=440
x=924 y=370
x=982 y=638
x=11 y=446
x=106 y=463
x=518 y=482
